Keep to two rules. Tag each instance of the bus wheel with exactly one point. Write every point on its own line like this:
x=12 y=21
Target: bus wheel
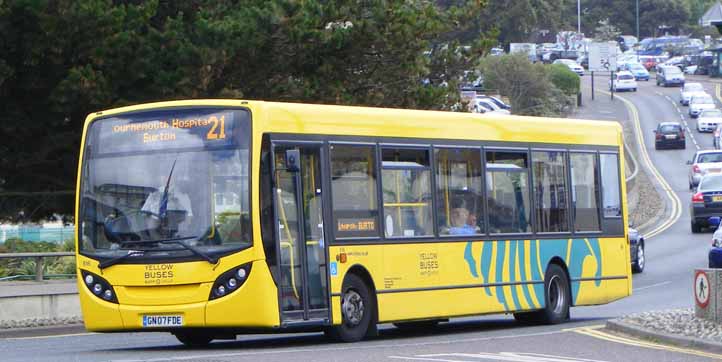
x=193 y=338
x=357 y=310
x=556 y=297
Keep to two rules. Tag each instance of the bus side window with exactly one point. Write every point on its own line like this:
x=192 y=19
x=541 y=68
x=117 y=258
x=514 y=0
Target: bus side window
x=406 y=180
x=611 y=194
x=508 y=192
x=459 y=197
x=550 y=191
x=353 y=191
x=585 y=191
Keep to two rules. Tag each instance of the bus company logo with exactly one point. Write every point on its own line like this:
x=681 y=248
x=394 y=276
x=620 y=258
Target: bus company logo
x=158 y=273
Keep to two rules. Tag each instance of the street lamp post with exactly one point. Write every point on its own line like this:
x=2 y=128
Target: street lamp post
x=579 y=16
x=637 y=45
x=638 y=20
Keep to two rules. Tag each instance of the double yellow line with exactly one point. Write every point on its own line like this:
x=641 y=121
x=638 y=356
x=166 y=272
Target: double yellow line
x=594 y=331
x=671 y=195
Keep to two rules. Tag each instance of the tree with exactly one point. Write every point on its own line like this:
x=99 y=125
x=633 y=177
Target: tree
x=606 y=31
x=527 y=85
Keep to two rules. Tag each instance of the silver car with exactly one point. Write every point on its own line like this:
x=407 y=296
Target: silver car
x=700 y=102
x=708 y=120
x=689 y=89
x=703 y=162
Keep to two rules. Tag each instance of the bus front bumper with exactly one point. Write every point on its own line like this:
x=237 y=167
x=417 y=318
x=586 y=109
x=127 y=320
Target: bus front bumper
x=253 y=305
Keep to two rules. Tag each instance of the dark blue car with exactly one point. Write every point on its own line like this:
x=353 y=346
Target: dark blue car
x=715 y=254
x=636 y=248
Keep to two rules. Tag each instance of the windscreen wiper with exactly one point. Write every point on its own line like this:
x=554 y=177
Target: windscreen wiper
x=110 y=262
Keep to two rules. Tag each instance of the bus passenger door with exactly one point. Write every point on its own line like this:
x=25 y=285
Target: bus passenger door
x=299 y=221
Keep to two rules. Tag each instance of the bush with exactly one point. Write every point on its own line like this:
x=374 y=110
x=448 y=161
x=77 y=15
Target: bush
x=60 y=265
x=564 y=79
x=529 y=87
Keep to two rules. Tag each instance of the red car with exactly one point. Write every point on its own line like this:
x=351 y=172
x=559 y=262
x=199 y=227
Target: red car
x=649 y=63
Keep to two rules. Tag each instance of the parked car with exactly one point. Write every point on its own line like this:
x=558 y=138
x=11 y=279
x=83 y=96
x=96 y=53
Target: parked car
x=495 y=100
x=708 y=120
x=678 y=62
x=700 y=102
x=638 y=70
x=688 y=90
x=623 y=80
x=648 y=62
x=669 y=135
x=496 y=108
x=715 y=253
x=670 y=75
x=706 y=202
x=636 y=249
x=482 y=105
x=583 y=60
x=572 y=65
x=703 y=162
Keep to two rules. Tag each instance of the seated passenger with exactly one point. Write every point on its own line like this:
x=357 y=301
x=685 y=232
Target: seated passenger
x=459 y=219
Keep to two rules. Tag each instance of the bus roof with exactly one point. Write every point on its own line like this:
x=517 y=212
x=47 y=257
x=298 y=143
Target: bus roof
x=280 y=117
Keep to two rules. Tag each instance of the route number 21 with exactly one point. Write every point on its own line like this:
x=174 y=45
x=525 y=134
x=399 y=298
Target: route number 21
x=218 y=128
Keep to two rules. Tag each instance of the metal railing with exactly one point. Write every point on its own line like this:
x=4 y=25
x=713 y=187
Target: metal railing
x=39 y=260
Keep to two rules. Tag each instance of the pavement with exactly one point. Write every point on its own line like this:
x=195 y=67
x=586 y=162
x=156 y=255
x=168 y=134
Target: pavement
x=632 y=330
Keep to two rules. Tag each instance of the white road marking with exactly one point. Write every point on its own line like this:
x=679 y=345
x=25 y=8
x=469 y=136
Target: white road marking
x=501 y=356
x=374 y=346
x=676 y=203
x=651 y=286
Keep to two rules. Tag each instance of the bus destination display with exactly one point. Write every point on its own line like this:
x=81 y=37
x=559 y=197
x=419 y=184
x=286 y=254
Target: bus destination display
x=166 y=131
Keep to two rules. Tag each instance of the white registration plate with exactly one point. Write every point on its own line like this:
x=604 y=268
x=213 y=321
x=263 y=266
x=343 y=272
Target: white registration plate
x=150 y=321
x=671 y=136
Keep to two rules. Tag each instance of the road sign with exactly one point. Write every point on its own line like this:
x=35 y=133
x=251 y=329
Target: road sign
x=701 y=289
x=603 y=57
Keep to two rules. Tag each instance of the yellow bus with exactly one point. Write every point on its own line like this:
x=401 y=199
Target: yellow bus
x=212 y=218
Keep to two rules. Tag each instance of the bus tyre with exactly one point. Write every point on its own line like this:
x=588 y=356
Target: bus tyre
x=638 y=266
x=556 y=295
x=696 y=228
x=556 y=299
x=357 y=311
x=193 y=338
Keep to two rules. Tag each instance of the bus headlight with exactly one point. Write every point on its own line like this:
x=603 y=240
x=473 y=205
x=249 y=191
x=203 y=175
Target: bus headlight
x=230 y=281
x=99 y=286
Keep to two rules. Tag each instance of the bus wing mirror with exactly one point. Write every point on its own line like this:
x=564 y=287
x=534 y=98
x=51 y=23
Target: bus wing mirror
x=292 y=160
